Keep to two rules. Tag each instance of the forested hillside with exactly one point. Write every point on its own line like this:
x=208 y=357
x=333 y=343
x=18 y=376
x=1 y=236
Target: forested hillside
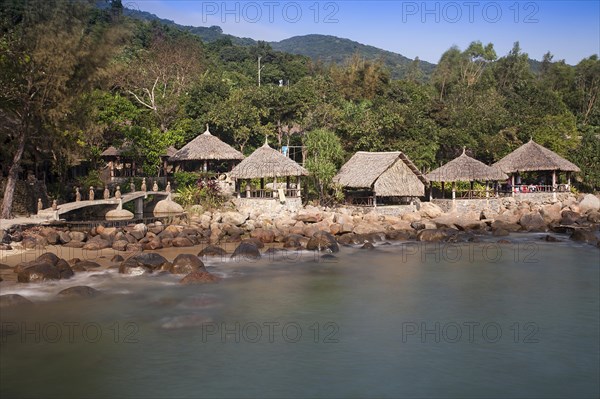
x=76 y=79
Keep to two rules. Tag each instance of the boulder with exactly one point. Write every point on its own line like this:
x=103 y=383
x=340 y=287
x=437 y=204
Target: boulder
x=79 y=292
x=86 y=264
x=569 y=217
x=234 y=218
x=120 y=245
x=368 y=228
x=64 y=269
x=186 y=264
x=5 y=247
x=212 y=250
x=48 y=257
x=38 y=272
x=368 y=245
x=53 y=238
x=133 y=268
x=77 y=236
x=295 y=241
x=97 y=244
x=322 y=240
x=199 y=277
x=581 y=235
x=247 y=249
x=551 y=213
x=152 y=260
x=594 y=217
x=153 y=244
x=430 y=210
x=589 y=203
x=182 y=241
x=167 y=207
x=399 y=235
x=4 y=267
x=500 y=232
x=411 y=217
x=432 y=235
x=64 y=237
x=10 y=300
x=307 y=216
x=510 y=227
x=532 y=222
x=265 y=236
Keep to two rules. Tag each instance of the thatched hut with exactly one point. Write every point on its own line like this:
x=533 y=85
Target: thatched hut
x=465 y=169
x=389 y=175
x=267 y=163
x=204 y=149
x=532 y=157
x=125 y=161
x=121 y=161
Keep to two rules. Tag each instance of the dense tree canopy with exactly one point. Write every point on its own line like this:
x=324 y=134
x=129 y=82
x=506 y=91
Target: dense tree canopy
x=75 y=79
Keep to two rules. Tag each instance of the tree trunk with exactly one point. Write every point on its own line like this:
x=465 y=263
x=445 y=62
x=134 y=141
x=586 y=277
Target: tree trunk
x=13 y=173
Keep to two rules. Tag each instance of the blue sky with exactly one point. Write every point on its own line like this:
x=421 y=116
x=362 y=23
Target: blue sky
x=568 y=29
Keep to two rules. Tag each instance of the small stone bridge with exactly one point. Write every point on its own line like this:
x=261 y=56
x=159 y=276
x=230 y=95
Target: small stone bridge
x=108 y=204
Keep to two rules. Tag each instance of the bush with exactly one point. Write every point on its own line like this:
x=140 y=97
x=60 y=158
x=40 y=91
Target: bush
x=205 y=192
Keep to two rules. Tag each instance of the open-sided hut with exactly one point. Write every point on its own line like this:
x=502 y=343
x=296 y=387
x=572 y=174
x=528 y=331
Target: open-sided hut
x=532 y=157
x=204 y=149
x=368 y=175
x=121 y=162
x=267 y=163
x=466 y=169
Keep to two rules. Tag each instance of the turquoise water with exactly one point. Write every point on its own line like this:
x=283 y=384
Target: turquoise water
x=518 y=320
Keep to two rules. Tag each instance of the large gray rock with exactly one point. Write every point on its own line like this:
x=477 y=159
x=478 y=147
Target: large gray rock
x=430 y=210
x=323 y=241
x=97 y=244
x=79 y=292
x=10 y=300
x=38 y=272
x=144 y=263
x=532 y=222
x=589 y=203
x=247 y=250
x=212 y=250
x=234 y=218
x=199 y=277
x=186 y=264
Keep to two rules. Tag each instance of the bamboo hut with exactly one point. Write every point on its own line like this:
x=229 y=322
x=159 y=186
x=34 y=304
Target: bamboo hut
x=532 y=157
x=202 y=150
x=466 y=169
x=267 y=163
x=389 y=175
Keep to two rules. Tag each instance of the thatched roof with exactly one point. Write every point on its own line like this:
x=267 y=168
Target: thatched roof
x=206 y=147
x=365 y=169
x=533 y=157
x=267 y=162
x=465 y=168
x=169 y=152
x=110 y=152
x=115 y=152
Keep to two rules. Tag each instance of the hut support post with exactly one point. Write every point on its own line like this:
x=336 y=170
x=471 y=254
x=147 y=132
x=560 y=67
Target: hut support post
x=430 y=191
x=512 y=185
x=569 y=180
x=554 y=185
x=443 y=190
x=275 y=192
x=247 y=189
x=453 y=191
x=471 y=191
x=298 y=186
x=111 y=165
x=374 y=200
x=205 y=167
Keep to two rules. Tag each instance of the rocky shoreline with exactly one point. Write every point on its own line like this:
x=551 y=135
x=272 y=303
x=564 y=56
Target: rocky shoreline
x=312 y=229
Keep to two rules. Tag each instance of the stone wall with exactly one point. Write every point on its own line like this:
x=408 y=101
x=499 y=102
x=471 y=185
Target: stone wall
x=497 y=204
x=394 y=210
x=268 y=205
x=469 y=205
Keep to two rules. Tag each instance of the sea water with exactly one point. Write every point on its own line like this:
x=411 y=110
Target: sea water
x=404 y=320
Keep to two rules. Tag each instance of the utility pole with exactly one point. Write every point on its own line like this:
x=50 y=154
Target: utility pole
x=259 y=69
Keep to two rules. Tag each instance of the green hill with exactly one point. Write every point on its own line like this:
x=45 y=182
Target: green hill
x=332 y=49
